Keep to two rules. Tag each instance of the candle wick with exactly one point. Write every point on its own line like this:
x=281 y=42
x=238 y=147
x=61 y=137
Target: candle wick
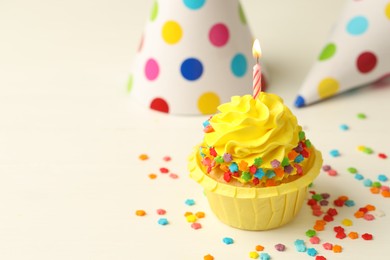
x=257 y=59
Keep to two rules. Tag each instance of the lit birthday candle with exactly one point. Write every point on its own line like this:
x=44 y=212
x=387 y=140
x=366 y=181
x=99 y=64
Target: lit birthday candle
x=256 y=51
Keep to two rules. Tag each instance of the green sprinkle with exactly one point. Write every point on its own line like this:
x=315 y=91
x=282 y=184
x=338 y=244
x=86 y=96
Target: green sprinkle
x=352 y=170
x=311 y=185
x=368 y=150
x=311 y=233
x=285 y=162
x=258 y=162
x=317 y=197
x=361 y=116
x=308 y=143
x=219 y=159
x=376 y=184
x=246 y=176
x=301 y=135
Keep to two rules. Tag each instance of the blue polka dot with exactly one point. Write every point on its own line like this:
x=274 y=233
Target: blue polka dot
x=194 y=4
x=300 y=101
x=357 y=25
x=191 y=69
x=239 y=65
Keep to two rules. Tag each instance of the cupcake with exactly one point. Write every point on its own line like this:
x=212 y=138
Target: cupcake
x=255 y=163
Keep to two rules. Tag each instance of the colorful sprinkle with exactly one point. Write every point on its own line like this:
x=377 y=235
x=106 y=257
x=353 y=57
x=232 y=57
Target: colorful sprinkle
x=167 y=158
x=359 y=177
x=196 y=226
x=311 y=233
x=353 y=235
x=367 y=236
x=259 y=248
x=314 y=240
x=349 y=203
x=337 y=249
x=334 y=153
x=344 y=127
x=189 y=202
x=200 y=214
x=140 y=213
x=152 y=176
x=327 y=246
x=208 y=257
x=164 y=170
x=191 y=218
x=253 y=255
x=320 y=257
x=228 y=240
x=361 y=116
x=326 y=167
x=382 y=177
x=332 y=173
x=143 y=157
x=173 y=176
x=265 y=256
x=161 y=211
x=352 y=170
x=382 y=156
x=163 y=221
x=347 y=222
x=280 y=247
x=312 y=252
x=367 y=183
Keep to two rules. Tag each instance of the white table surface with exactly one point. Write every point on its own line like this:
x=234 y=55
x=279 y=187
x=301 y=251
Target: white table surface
x=70 y=137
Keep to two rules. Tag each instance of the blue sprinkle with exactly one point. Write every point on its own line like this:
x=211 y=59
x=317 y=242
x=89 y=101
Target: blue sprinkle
x=206 y=123
x=190 y=202
x=334 y=153
x=349 y=203
x=300 y=101
x=367 y=183
x=163 y=221
x=299 y=158
x=359 y=177
x=233 y=167
x=259 y=173
x=300 y=248
x=312 y=252
x=265 y=256
x=299 y=242
x=344 y=127
x=382 y=177
x=270 y=174
x=228 y=240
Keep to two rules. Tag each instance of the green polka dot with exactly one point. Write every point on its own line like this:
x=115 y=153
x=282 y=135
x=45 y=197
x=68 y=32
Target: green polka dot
x=130 y=83
x=328 y=52
x=242 y=14
x=154 y=12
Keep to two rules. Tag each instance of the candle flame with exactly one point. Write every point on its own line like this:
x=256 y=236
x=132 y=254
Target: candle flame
x=256 y=50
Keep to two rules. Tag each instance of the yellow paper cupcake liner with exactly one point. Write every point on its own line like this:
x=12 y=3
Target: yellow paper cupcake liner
x=256 y=208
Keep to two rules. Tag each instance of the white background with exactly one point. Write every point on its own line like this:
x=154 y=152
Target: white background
x=70 y=177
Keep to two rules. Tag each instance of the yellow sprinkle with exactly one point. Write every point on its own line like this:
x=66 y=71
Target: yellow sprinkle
x=191 y=218
x=254 y=255
x=361 y=147
x=187 y=213
x=347 y=222
x=152 y=176
x=140 y=213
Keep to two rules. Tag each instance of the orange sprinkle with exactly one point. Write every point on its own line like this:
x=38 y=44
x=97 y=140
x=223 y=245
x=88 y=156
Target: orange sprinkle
x=291 y=155
x=321 y=222
x=187 y=213
x=343 y=198
x=140 y=213
x=353 y=235
x=208 y=257
x=370 y=207
x=319 y=227
x=375 y=190
x=259 y=248
x=386 y=193
x=270 y=182
x=243 y=166
x=152 y=176
x=279 y=172
x=224 y=168
x=200 y=214
x=359 y=214
x=337 y=249
x=143 y=157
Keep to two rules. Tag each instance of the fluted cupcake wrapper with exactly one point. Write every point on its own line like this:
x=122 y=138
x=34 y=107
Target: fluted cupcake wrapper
x=256 y=208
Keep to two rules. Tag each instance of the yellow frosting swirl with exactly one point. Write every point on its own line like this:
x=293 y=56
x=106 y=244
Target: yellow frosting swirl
x=249 y=128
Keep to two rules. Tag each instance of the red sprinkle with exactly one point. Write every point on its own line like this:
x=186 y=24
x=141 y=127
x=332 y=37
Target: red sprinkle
x=320 y=257
x=367 y=236
x=328 y=218
x=341 y=235
x=382 y=156
x=164 y=170
x=338 y=203
x=332 y=212
x=167 y=158
x=338 y=229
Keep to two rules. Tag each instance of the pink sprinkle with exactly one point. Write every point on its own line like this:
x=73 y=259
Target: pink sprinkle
x=164 y=170
x=332 y=173
x=326 y=168
x=196 y=225
x=315 y=240
x=167 y=158
x=161 y=211
x=327 y=246
x=368 y=217
x=385 y=188
x=173 y=176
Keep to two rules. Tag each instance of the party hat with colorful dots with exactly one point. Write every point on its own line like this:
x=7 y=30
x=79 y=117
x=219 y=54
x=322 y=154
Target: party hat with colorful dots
x=358 y=52
x=193 y=56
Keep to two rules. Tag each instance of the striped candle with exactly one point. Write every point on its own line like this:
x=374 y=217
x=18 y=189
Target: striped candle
x=256 y=51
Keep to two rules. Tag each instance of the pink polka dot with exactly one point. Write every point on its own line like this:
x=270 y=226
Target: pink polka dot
x=151 y=69
x=159 y=104
x=366 y=62
x=219 y=35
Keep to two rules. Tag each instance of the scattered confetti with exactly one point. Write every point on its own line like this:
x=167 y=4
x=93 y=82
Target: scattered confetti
x=334 y=153
x=191 y=218
x=327 y=246
x=173 y=175
x=312 y=252
x=382 y=155
x=300 y=245
x=353 y=235
x=332 y=173
x=359 y=177
x=200 y=214
x=190 y=202
x=208 y=257
x=311 y=233
x=143 y=157
x=344 y=127
x=280 y=247
x=228 y=240
x=320 y=257
x=347 y=222
x=254 y=255
x=314 y=240
x=352 y=170
x=161 y=211
x=140 y=213
x=163 y=221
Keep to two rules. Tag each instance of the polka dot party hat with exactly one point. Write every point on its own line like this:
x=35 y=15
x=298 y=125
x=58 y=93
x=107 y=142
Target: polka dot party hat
x=193 y=56
x=358 y=52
